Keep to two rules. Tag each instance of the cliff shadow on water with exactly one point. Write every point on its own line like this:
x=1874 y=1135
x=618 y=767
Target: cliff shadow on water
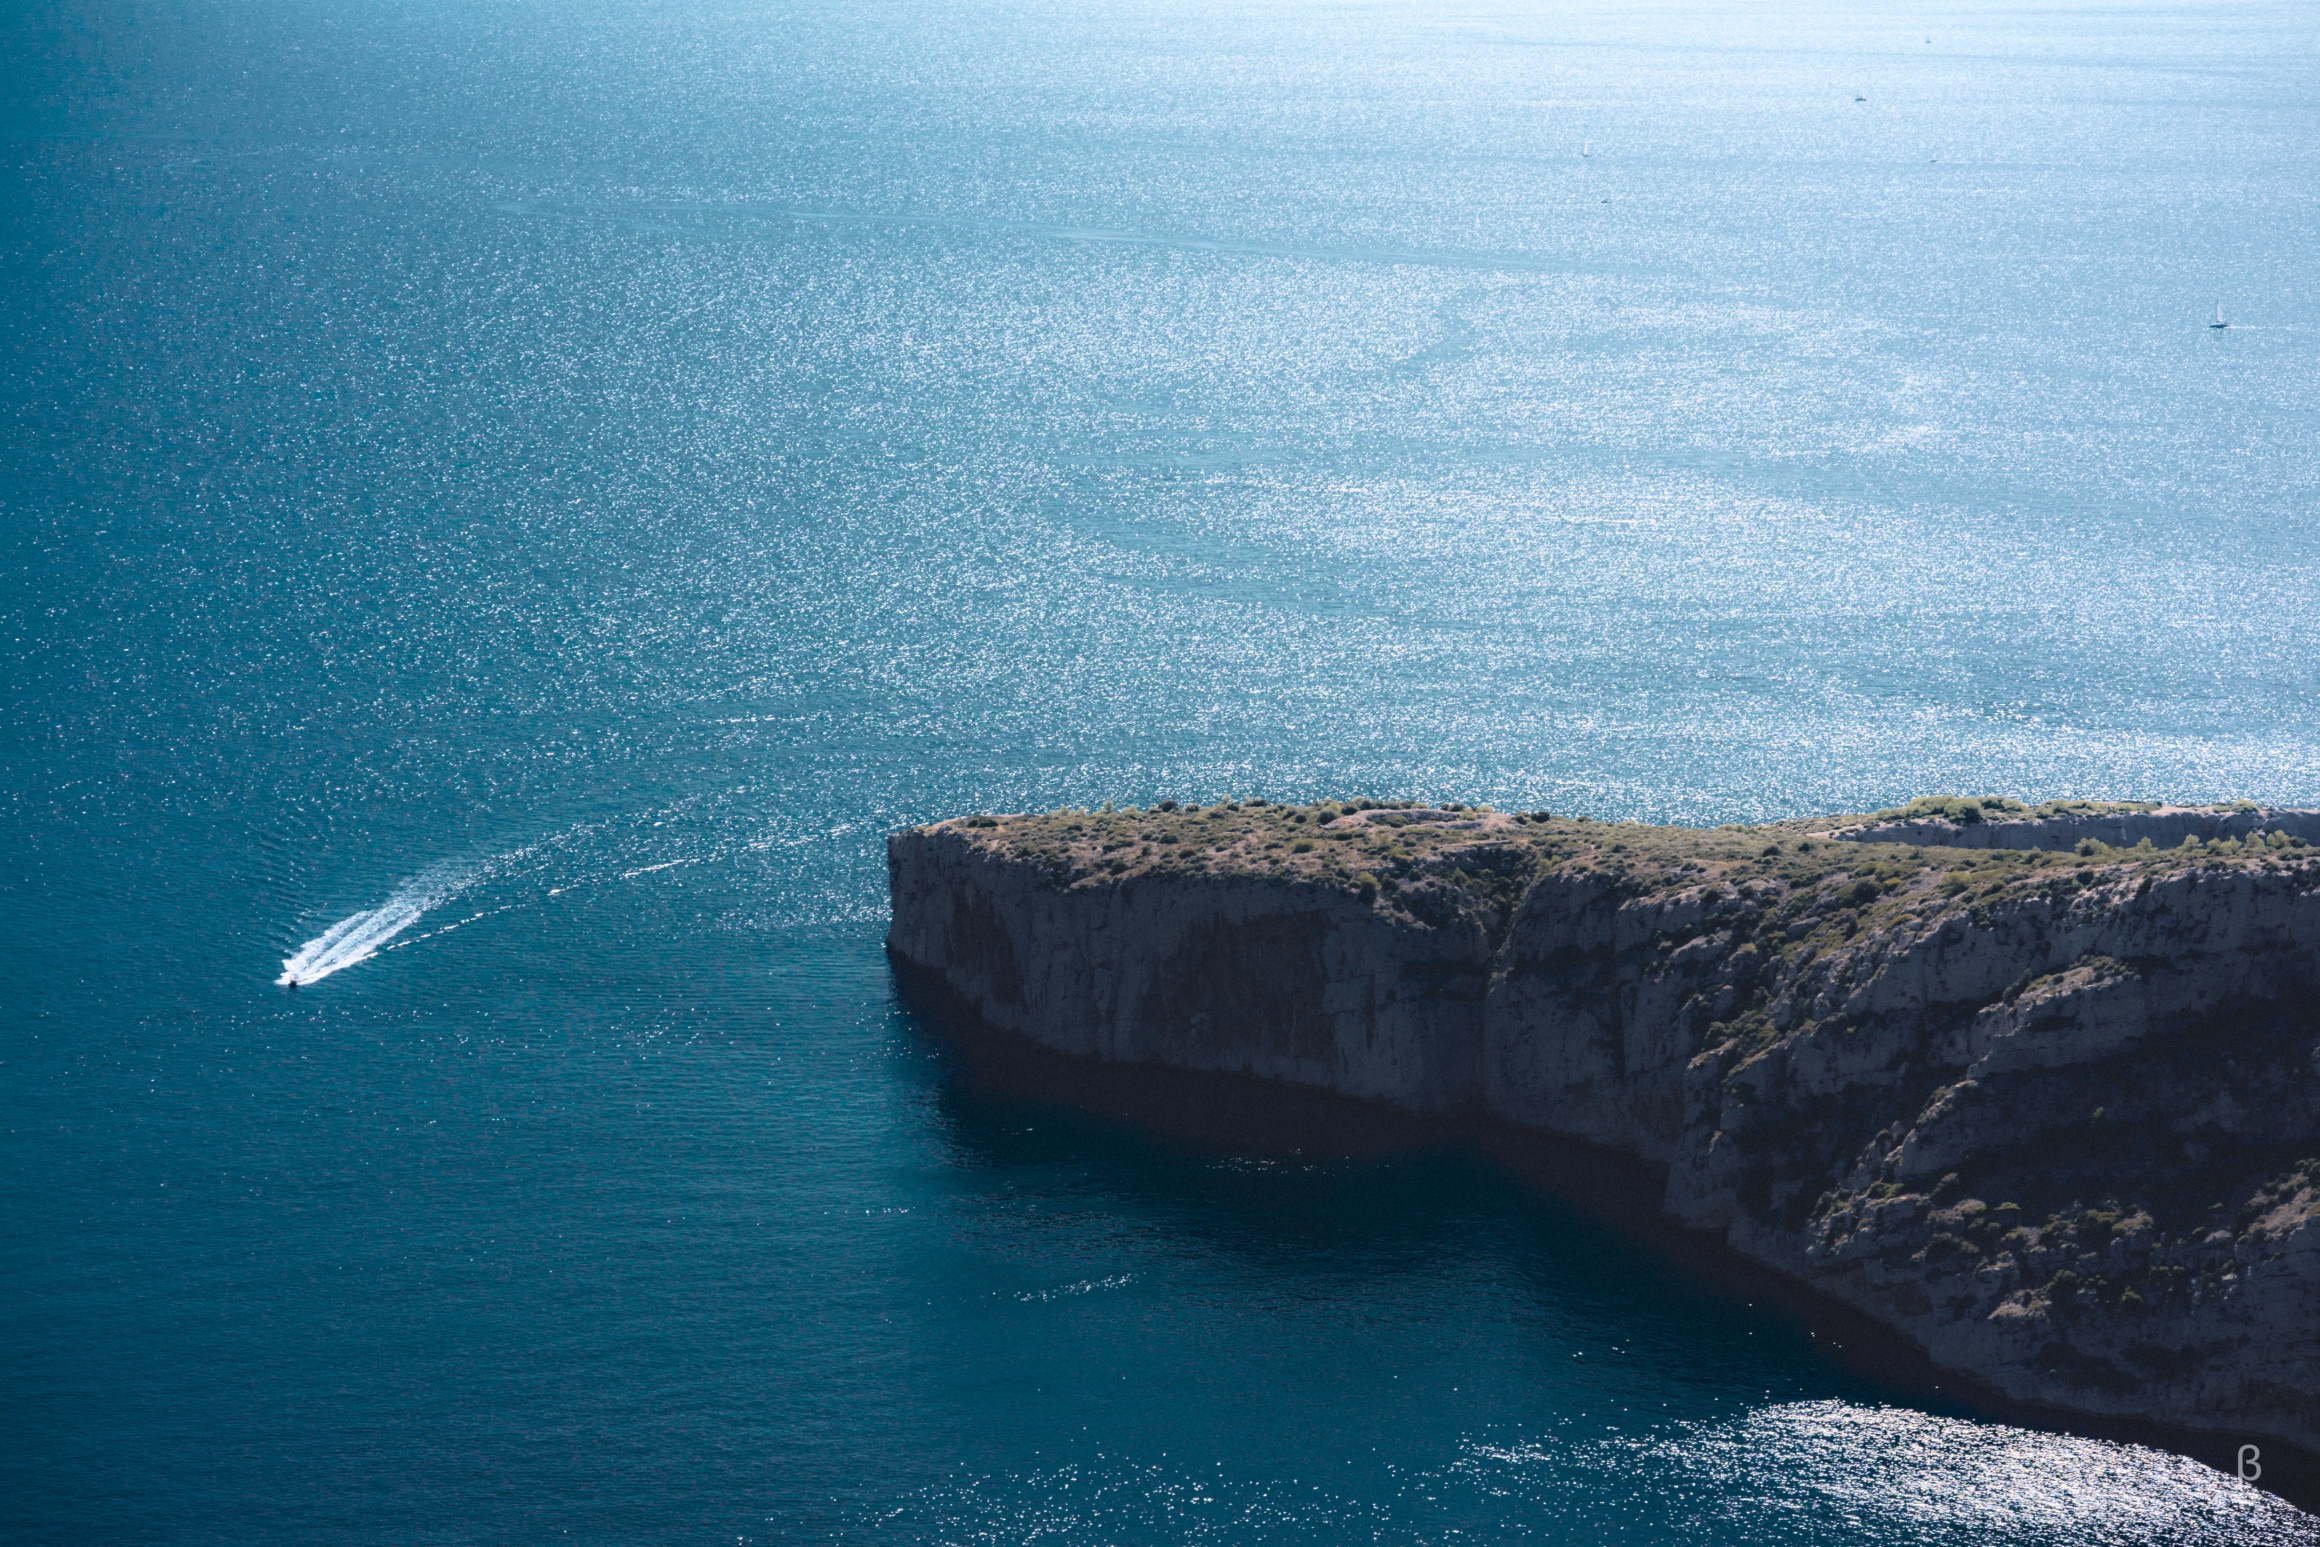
x=992 y=1077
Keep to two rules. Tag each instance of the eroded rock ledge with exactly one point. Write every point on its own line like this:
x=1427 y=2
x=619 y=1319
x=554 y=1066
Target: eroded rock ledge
x=2048 y=1103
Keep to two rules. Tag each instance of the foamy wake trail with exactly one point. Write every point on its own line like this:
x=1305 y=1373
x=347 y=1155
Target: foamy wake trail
x=358 y=936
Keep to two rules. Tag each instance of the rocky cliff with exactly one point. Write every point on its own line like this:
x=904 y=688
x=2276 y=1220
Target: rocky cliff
x=2048 y=1104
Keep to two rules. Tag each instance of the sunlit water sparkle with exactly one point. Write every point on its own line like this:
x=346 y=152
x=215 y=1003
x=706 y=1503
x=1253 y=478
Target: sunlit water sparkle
x=1826 y=1471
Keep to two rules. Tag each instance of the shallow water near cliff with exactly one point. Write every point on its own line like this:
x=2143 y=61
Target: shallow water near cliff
x=504 y=508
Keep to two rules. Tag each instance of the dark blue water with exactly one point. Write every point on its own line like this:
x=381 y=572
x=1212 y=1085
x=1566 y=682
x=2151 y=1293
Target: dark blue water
x=507 y=504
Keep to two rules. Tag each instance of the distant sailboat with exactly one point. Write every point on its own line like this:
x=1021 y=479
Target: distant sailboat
x=2219 y=322
x=1586 y=147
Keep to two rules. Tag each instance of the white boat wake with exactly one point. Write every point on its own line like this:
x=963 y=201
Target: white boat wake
x=358 y=937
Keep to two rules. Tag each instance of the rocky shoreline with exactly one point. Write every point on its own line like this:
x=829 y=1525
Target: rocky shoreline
x=2027 y=1086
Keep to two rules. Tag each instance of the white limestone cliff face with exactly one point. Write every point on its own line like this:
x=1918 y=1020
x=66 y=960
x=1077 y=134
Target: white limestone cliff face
x=1598 y=1003
x=1304 y=984
x=2058 y=1134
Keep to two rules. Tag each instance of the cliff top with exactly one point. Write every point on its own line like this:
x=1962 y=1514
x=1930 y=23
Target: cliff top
x=1968 y=809
x=1407 y=857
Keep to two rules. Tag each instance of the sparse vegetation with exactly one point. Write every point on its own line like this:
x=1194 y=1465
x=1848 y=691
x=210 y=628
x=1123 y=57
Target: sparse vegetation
x=1804 y=894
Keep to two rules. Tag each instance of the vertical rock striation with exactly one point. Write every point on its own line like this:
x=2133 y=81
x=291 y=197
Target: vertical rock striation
x=1298 y=982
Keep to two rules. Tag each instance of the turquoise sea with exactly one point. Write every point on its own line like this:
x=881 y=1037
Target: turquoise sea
x=505 y=504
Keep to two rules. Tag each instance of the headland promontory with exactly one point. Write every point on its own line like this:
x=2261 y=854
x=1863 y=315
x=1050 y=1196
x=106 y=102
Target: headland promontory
x=2036 y=1087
